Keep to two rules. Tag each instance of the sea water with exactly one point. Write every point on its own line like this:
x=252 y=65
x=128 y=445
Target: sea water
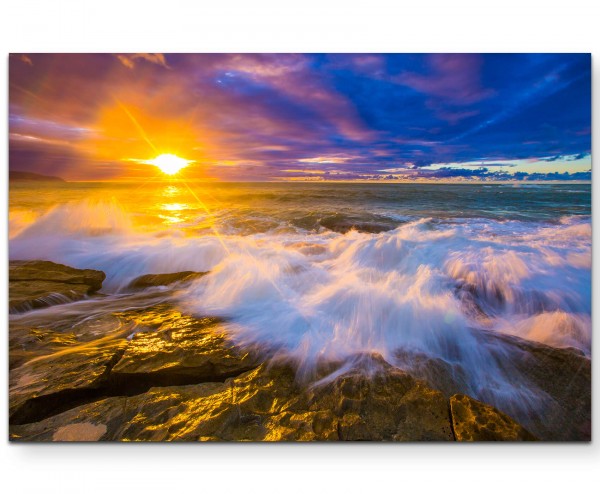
x=315 y=272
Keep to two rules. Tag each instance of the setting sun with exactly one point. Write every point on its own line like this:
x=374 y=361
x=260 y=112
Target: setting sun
x=169 y=163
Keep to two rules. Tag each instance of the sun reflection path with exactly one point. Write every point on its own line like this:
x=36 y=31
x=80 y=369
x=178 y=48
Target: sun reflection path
x=175 y=209
x=171 y=165
x=211 y=216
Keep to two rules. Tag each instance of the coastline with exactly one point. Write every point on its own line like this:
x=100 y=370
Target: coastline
x=77 y=385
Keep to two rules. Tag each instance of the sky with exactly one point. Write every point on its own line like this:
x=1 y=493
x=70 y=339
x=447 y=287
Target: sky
x=243 y=117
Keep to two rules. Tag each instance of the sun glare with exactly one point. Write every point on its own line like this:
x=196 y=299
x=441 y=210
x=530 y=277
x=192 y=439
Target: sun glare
x=169 y=163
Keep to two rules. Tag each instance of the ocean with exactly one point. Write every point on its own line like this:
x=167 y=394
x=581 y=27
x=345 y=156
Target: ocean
x=317 y=272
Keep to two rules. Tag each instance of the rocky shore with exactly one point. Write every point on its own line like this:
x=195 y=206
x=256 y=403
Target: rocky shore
x=35 y=284
x=155 y=374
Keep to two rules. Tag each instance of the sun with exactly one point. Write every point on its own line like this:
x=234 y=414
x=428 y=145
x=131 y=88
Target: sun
x=169 y=163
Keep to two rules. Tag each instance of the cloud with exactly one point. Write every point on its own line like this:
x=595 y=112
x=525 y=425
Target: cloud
x=477 y=164
x=26 y=59
x=292 y=76
x=248 y=116
x=453 y=77
x=454 y=117
x=568 y=157
x=326 y=159
x=488 y=175
x=128 y=60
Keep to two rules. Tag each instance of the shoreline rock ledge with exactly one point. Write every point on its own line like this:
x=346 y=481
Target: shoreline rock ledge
x=164 y=279
x=160 y=375
x=268 y=404
x=36 y=284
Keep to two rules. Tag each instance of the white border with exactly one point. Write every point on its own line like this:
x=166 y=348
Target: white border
x=302 y=26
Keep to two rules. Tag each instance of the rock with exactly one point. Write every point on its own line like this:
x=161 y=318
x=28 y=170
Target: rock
x=378 y=402
x=363 y=227
x=557 y=406
x=156 y=374
x=564 y=380
x=83 y=423
x=436 y=372
x=152 y=280
x=178 y=349
x=264 y=404
x=28 y=295
x=42 y=333
x=86 y=358
x=86 y=431
x=52 y=383
x=34 y=284
x=473 y=420
x=50 y=271
x=26 y=343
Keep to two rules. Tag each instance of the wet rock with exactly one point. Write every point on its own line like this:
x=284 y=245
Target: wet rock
x=436 y=372
x=264 y=404
x=156 y=374
x=50 y=271
x=173 y=348
x=473 y=420
x=83 y=423
x=35 y=284
x=41 y=333
x=153 y=280
x=26 y=343
x=93 y=358
x=28 y=295
x=383 y=403
x=52 y=383
x=359 y=226
x=565 y=376
x=559 y=406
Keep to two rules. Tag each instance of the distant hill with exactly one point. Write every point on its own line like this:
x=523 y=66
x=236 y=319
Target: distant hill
x=14 y=175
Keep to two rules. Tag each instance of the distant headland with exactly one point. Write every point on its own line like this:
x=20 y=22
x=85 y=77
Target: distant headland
x=37 y=177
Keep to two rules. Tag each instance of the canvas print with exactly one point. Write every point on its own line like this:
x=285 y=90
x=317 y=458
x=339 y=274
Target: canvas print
x=299 y=247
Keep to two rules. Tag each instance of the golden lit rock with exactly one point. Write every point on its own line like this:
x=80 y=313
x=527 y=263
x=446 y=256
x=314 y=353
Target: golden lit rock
x=476 y=421
x=34 y=284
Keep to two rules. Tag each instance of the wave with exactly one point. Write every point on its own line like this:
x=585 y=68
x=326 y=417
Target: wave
x=19 y=220
x=428 y=288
